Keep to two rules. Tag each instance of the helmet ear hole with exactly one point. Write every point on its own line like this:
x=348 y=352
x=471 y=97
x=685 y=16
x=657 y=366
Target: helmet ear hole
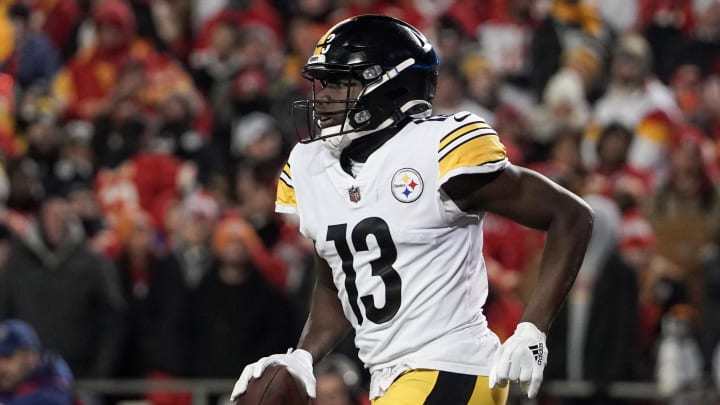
x=361 y=117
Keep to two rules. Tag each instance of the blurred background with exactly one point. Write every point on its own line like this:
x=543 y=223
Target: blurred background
x=140 y=143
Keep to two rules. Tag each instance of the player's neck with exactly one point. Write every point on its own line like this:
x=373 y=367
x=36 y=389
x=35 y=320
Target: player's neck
x=360 y=149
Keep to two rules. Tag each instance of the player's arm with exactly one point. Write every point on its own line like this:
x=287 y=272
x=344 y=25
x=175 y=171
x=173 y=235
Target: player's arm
x=534 y=201
x=326 y=325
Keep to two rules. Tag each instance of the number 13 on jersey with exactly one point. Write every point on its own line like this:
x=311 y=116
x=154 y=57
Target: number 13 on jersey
x=381 y=267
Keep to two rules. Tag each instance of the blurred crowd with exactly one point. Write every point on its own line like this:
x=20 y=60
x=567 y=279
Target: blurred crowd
x=140 y=142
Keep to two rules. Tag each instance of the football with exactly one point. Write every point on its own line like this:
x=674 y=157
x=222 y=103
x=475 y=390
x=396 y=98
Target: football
x=276 y=386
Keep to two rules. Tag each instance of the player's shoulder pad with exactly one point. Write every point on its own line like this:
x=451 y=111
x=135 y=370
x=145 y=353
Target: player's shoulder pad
x=467 y=143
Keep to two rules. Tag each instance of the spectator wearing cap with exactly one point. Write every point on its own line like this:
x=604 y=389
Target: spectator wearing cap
x=29 y=375
x=564 y=103
x=190 y=235
x=34 y=58
x=235 y=231
x=258 y=143
x=70 y=294
x=236 y=315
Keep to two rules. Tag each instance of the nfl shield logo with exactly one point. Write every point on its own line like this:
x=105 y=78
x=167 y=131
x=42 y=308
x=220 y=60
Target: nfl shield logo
x=354 y=194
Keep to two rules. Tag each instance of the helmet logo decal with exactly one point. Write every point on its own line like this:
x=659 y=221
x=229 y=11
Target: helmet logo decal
x=354 y=194
x=324 y=44
x=407 y=185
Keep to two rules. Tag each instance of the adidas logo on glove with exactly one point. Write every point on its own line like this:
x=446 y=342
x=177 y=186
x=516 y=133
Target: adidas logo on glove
x=537 y=351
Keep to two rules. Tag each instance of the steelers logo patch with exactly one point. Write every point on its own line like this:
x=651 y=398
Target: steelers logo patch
x=406 y=185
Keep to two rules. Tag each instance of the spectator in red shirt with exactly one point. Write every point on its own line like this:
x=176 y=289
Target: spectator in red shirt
x=89 y=83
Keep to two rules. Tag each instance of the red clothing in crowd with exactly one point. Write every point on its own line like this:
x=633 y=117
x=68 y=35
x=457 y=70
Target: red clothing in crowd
x=145 y=181
x=662 y=10
x=259 y=12
x=84 y=86
x=61 y=18
x=235 y=229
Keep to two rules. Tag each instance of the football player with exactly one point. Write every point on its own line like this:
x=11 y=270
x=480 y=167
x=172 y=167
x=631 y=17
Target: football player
x=394 y=200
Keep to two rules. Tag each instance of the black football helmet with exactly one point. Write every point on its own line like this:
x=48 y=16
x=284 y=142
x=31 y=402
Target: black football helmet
x=395 y=65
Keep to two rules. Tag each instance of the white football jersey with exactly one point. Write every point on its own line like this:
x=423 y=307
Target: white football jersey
x=407 y=263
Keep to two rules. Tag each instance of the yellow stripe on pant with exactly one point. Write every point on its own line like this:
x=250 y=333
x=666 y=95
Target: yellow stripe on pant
x=432 y=387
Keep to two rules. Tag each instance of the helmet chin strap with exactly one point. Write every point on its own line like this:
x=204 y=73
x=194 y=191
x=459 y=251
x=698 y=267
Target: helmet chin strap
x=339 y=142
x=424 y=108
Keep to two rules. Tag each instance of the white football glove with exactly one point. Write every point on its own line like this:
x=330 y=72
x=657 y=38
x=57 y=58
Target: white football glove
x=522 y=358
x=298 y=362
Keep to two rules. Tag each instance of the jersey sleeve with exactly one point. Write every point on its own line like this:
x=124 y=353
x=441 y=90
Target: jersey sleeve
x=469 y=145
x=285 y=201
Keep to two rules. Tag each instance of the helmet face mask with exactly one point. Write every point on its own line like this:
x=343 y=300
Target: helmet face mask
x=326 y=116
x=380 y=71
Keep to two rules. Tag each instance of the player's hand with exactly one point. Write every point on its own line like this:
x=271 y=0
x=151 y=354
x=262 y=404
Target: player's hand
x=521 y=358
x=298 y=362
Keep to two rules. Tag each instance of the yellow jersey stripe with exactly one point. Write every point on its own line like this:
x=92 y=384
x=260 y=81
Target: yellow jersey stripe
x=460 y=131
x=285 y=194
x=285 y=180
x=464 y=138
x=286 y=170
x=475 y=151
x=285 y=190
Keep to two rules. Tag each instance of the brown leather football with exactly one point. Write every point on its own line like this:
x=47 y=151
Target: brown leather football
x=276 y=386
